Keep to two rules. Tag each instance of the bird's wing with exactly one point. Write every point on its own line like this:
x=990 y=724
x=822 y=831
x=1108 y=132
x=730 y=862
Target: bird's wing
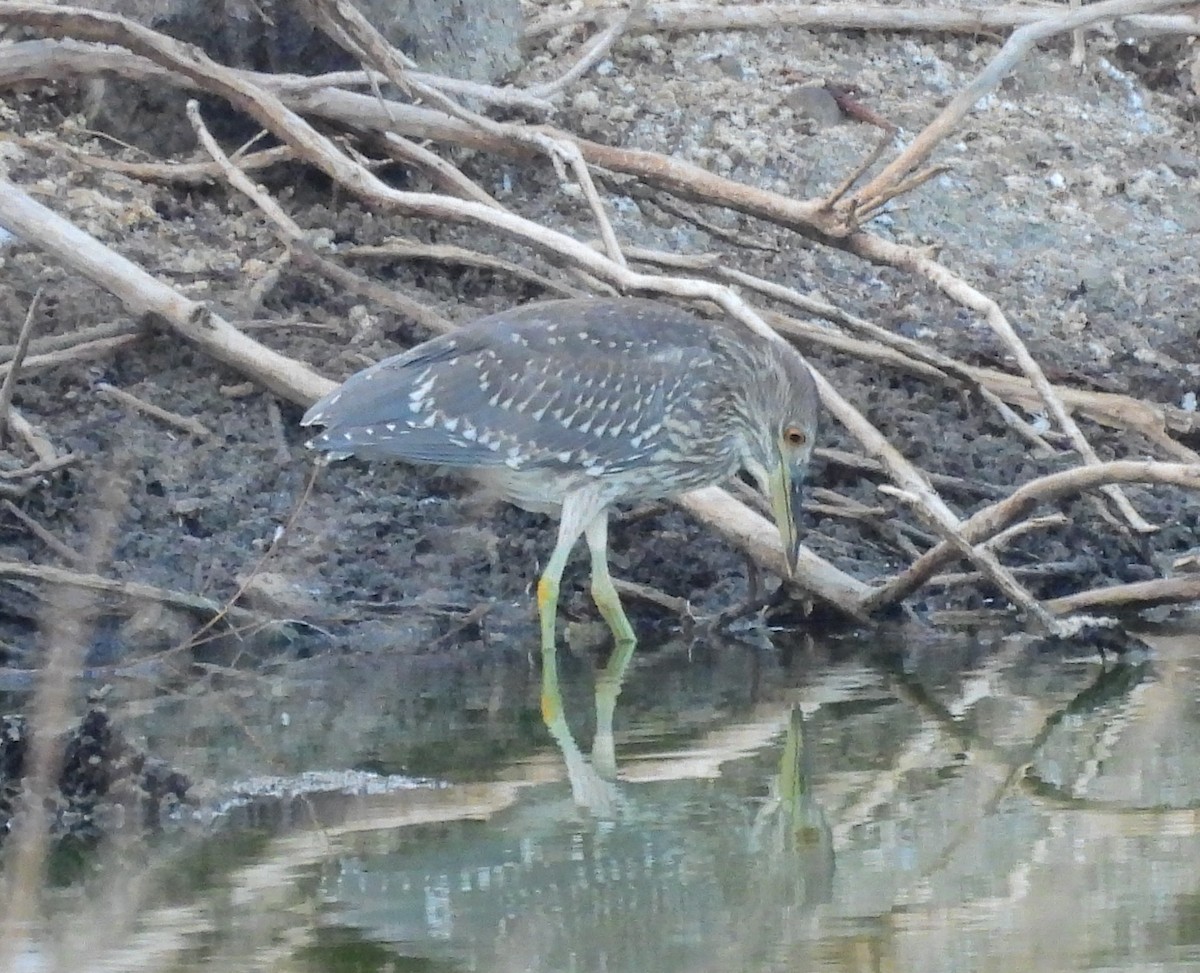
x=523 y=391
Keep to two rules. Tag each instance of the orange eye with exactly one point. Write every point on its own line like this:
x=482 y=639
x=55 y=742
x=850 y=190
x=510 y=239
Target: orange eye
x=795 y=436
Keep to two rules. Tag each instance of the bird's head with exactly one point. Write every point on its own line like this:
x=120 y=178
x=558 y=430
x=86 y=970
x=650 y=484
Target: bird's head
x=785 y=406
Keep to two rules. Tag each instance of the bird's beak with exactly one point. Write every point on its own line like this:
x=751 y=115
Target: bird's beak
x=786 y=482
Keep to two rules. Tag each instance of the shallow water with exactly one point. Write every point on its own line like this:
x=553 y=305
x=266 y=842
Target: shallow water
x=926 y=805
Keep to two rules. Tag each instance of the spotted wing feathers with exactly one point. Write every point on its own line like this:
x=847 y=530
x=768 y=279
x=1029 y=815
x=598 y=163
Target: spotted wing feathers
x=586 y=385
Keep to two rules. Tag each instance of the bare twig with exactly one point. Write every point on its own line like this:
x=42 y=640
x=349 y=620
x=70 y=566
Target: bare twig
x=193 y=427
x=75 y=353
x=692 y=16
x=179 y=173
x=991 y=519
x=65 y=551
x=25 y=430
x=68 y=340
x=440 y=172
x=444 y=253
x=302 y=251
x=599 y=46
x=283 y=455
x=134 y=591
x=40 y=468
x=1136 y=595
x=1019 y=44
x=677 y=606
x=839 y=191
x=1002 y=539
x=14 y=368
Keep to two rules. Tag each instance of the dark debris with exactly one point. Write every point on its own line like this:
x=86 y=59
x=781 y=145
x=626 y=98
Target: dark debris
x=103 y=779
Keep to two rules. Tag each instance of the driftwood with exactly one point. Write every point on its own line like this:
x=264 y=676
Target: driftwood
x=80 y=43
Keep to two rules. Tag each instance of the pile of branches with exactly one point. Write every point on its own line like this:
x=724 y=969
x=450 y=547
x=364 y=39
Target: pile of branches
x=421 y=110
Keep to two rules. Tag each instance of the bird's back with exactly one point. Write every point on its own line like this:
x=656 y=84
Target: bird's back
x=578 y=388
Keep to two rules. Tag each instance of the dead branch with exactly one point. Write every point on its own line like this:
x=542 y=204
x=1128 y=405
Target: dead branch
x=28 y=433
x=144 y=294
x=180 y=173
x=691 y=16
x=1184 y=589
x=82 y=351
x=40 y=468
x=1013 y=52
x=302 y=251
x=595 y=50
x=442 y=253
x=988 y=521
x=14 y=367
x=61 y=342
x=193 y=427
x=130 y=590
x=64 y=551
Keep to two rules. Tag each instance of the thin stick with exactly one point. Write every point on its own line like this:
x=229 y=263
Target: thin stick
x=999 y=323
x=988 y=521
x=1139 y=594
x=74 y=353
x=193 y=427
x=294 y=237
x=1017 y=424
x=399 y=249
x=843 y=187
x=135 y=591
x=1003 y=538
x=66 y=552
x=441 y=172
x=71 y=339
x=28 y=433
x=987 y=562
x=1012 y=53
x=599 y=46
x=672 y=603
x=689 y=16
x=14 y=368
x=40 y=468
x=179 y=173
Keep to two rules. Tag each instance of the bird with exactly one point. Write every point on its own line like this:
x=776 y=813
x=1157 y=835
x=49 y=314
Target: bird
x=570 y=407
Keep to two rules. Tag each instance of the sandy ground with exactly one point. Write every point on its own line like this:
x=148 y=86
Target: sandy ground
x=1073 y=199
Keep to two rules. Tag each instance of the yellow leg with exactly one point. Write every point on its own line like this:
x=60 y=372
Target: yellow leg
x=608 y=683
x=547 y=599
x=577 y=511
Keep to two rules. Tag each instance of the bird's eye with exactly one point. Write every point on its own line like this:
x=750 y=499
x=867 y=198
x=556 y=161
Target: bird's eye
x=795 y=436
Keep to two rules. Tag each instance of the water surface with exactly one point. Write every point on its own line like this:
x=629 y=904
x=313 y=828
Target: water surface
x=952 y=804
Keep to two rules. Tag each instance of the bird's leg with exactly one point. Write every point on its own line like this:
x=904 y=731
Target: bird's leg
x=608 y=683
x=569 y=529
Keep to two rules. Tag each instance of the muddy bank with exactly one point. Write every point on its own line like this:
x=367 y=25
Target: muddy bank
x=1081 y=224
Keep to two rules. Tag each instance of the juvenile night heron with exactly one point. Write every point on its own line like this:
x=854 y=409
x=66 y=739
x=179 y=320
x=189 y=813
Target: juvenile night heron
x=568 y=407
